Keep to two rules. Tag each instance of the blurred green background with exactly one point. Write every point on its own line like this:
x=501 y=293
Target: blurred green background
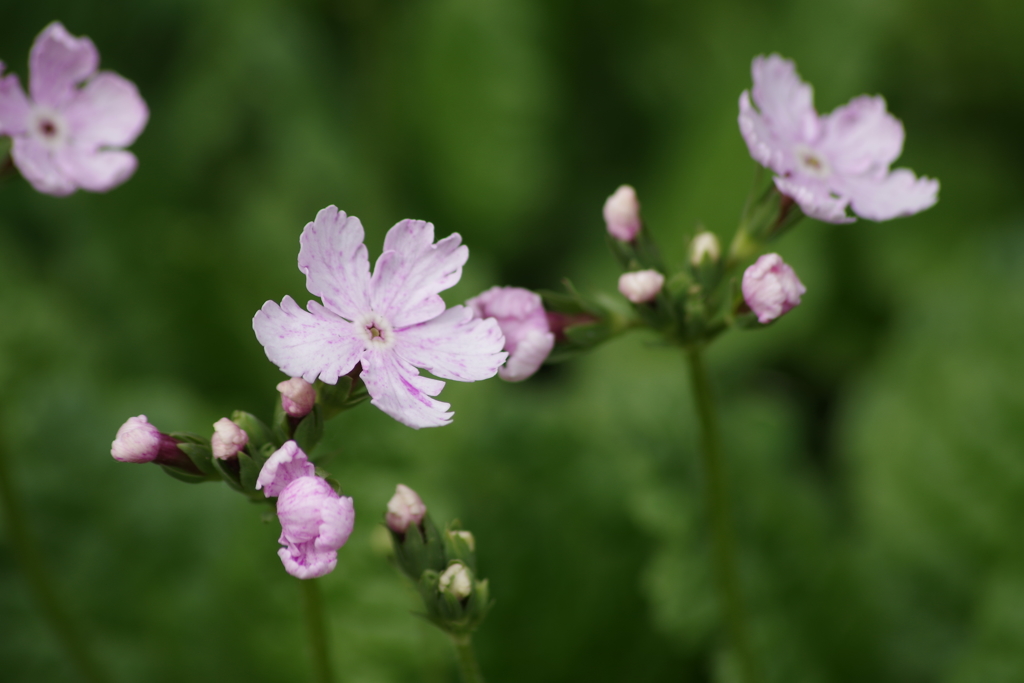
x=874 y=435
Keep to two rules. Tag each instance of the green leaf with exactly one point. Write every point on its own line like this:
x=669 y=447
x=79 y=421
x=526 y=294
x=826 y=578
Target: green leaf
x=310 y=430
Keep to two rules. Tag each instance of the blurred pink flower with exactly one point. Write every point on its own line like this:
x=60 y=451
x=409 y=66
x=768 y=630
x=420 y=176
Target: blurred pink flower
x=520 y=314
x=315 y=520
x=391 y=323
x=405 y=508
x=622 y=214
x=641 y=286
x=70 y=134
x=771 y=288
x=826 y=163
x=138 y=441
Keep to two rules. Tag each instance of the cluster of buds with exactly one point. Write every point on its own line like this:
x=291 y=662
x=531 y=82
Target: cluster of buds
x=441 y=564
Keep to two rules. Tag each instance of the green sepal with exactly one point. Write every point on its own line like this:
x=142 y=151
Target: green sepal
x=229 y=471
x=259 y=433
x=347 y=393
x=281 y=425
x=249 y=472
x=310 y=430
x=457 y=547
x=201 y=456
x=418 y=549
x=181 y=475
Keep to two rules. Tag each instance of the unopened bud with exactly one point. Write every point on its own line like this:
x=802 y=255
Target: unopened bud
x=622 y=214
x=297 y=396
x=404 y=508
x=228 y=439
x=641 y=286
x=456 y=581
x=137 y=441
x=771 y=288
x=466 y=536
x=705 y=245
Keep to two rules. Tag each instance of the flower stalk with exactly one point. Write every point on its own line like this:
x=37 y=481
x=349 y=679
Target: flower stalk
x=316 y=627
x=468 y=666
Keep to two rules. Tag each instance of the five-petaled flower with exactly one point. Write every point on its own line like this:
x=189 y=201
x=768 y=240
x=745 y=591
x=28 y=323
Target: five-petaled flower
x=391 y=323
x=826 y=163
x=70 y=135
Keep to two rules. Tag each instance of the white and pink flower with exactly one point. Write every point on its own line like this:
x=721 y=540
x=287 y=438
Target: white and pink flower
x=390 y=323
x=521 y=316
x=771 y=288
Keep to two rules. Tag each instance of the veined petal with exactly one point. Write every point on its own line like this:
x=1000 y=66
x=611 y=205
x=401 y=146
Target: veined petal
x=287 y=464
x=108 y=111
x=306 y=561
x=898 y=194
x=861 y=137
x=14 y=107
x=307 y=344
x=454 y=345
x=763 y=145
x=398 y=389
x=411 y=272
x=96 y=170
x=786 y=103
x=334 y=259
x=815 y=200
x=529 y=355
x=58 y=62
x=39 y=167
x=339 y=516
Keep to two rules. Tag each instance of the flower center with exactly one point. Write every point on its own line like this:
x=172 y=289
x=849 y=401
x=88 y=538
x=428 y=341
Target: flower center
x=376 y=331
x=811 y=163
x=48 y=127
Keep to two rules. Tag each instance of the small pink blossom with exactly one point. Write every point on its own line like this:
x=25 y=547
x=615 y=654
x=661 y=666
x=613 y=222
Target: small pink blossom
x=71 y=133
x=228 y=439
x=138 y=441
x=771 y=288
x=315 y=520
x=520 y=314
x=405 y=508
x=622 y=214
x=297 y=397
x=390 y=323
x=641 y=286
x=826 y=163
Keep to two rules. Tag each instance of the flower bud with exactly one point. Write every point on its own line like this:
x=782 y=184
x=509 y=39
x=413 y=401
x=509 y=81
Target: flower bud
x=771 y=288
x=641 y=286
x=137 y=441
x=228 y=439
x=456 y=581
x=622 y=214
x=297 y=396
x=465 y=536
x=521 y=317
x=704 y=245
x=404 y=508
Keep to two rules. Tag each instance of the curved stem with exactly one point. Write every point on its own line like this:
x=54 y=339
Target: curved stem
x=726 y=575
x=39 y=579
x=316 y=626
x=467 y=659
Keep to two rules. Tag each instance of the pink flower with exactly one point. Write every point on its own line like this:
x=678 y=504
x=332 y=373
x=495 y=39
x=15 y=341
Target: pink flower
x=391 y=323
x=138 y=441
x=297 y=396
x=641 y=286
x=315 y=520
x=622 y=214
x=405 y=508
x=228 y=439
x=771 y=288
x=70 y=133
x=825 y=163
x=528 y=338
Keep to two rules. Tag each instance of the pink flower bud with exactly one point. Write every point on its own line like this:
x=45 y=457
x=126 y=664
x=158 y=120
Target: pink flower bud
x=771 y=288
x=137 y=441
x=456 y=581
x=315 y=520
x=521 y=317
x=228 y=439
x=705 y=244
x=622 y=214
x=297 y=396
x=404 y=508
x=641 y=286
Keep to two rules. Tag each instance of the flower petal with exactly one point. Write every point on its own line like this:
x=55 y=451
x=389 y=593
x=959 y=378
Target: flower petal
x=306 y=561
x=108 y=111
x=454 y=345
x=58 y=62
x=94 y=170
x=307 y=344
x=861 y=137
x=14 y=106
x=334 y=260
x=287 y=464
x=900 y=193
x=764 y=147
x=398 y=389
x=339 y=516
x=814 y=199
x=786 y=105
x=529 y=355
x=411 y=272
x=39 y=167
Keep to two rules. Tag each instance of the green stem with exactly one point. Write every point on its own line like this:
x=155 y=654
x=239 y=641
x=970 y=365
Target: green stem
x=39 y=579
x=467 y=659
x=726 y=575
x=316 y=626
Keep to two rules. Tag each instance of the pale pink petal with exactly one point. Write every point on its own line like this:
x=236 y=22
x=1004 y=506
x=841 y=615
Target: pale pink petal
x=398 y=389
x=529 y=355
x=108 y=111
x=786 y=103
x=900 y=193
x=519 y=312
x=814 y=199
x=334 y=260
x=411 y=272
x=36 y=163
x=307 y=344
x=58 y=62
x=765 y=148
x=339 y=516
x=96 y=171
x=306 y=561
x=861 y=137
x=14 y=106
x=454 y=345
x=286 y=465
